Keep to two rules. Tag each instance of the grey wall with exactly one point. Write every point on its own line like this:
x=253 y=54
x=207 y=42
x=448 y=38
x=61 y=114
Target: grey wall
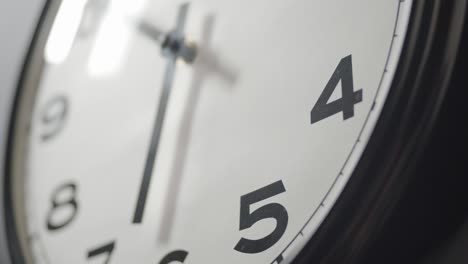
x=18 y=20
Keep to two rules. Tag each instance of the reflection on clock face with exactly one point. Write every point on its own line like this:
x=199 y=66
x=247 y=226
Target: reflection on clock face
x=197 y=131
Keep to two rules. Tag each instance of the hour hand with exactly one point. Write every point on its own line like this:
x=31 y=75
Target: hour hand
x=152 y=32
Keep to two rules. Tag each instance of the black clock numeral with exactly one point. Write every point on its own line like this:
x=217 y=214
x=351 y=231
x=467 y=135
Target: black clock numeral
x=271 y=210
x=177 y=255
x=106 y=249
x=323 y=109
x=53 y=117
x=63 y=198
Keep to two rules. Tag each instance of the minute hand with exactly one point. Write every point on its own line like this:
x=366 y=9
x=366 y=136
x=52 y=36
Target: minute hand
x=174 y=39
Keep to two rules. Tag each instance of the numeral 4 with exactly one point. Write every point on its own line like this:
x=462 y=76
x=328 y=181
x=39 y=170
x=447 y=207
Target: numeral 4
x=323 y=109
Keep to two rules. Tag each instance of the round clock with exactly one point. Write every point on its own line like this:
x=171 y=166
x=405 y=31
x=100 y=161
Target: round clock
x=203 y=131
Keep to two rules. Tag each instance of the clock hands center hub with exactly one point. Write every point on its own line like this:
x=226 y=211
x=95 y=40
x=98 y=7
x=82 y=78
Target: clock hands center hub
x=175 y=45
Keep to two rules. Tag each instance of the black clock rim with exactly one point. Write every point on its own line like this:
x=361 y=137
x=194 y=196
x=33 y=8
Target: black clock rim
x=14 y=245
x=387 y=169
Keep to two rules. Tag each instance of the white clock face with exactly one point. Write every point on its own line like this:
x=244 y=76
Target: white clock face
x=241 y=163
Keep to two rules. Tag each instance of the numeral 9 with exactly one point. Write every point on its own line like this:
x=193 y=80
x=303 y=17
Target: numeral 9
x=53 y=117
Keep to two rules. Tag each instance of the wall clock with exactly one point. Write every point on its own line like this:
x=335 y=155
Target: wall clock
x=205 y=131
